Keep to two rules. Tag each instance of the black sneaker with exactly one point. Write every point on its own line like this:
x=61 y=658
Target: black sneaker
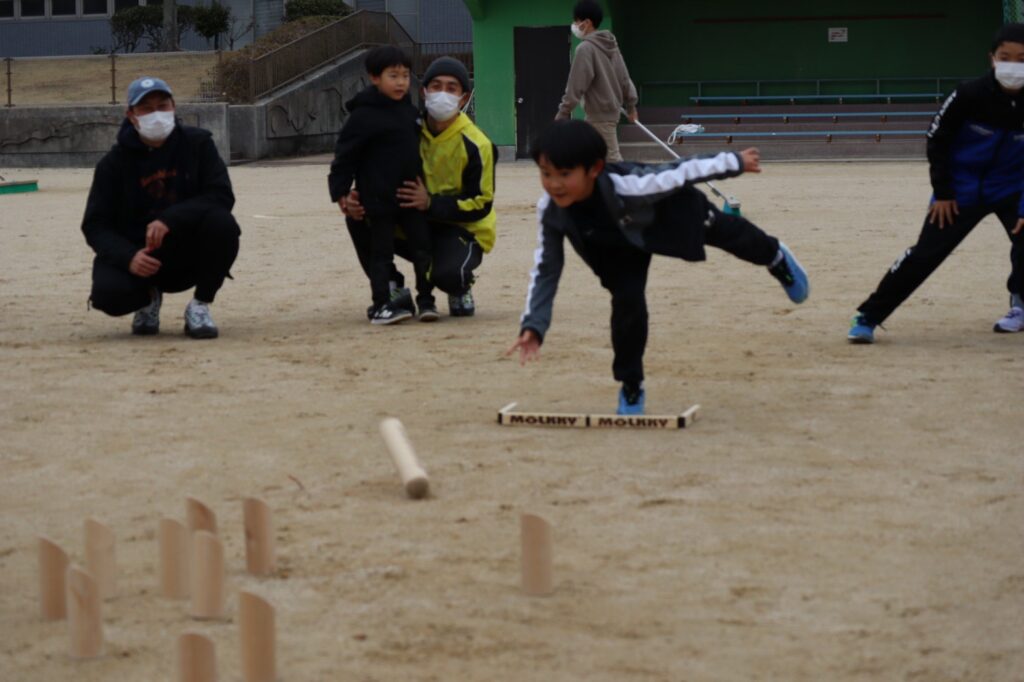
x=147 y=320
x=389 y=314
x=402 y=298
x=462 y=306
x=428 y=313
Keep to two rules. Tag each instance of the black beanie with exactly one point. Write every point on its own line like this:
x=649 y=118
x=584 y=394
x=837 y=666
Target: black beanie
x=1009 y=33
x=447 y=66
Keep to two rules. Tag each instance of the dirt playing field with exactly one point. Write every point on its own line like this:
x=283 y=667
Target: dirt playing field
x=838 y=513
x=86 y=80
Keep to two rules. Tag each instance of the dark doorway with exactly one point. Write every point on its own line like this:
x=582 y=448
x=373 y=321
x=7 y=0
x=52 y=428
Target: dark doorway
x=542 y=68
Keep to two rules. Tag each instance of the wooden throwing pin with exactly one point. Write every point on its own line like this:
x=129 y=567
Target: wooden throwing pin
x=207 y=576
x=53 y=568
x=256 y=631
x=84 y=620
x=199 y=517
x=100 y=557
x=414 y=478
x=173 y=538
x=197 y=658
x=535 y=537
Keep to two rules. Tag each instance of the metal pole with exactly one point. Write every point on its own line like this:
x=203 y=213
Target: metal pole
x=252 y=80
x=9 y=60
x=114 y=78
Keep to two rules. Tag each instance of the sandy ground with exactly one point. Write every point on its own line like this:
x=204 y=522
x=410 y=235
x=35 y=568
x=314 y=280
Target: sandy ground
x=86 y=80
x=840 y=512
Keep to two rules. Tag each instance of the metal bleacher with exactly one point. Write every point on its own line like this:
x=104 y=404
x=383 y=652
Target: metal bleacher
x=787 y=131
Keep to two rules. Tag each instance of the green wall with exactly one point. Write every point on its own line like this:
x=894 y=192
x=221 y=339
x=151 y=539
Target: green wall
x=493 y=56
x=720 y=40
x=712 y=40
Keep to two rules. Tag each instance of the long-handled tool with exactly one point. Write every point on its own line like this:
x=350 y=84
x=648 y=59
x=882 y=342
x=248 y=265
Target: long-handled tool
x=731 y=204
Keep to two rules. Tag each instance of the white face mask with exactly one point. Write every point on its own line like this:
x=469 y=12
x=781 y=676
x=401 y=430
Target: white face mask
x=1010 y=75
x=577 y=31
x=442 y=105
x=156 y=126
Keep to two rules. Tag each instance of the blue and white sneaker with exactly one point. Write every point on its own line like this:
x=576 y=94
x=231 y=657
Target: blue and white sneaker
x=861 y=331
x=631 y=400
x=1011 y=323
x=791 y=275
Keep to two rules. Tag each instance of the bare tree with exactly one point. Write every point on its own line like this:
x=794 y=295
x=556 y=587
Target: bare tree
x=170 y=26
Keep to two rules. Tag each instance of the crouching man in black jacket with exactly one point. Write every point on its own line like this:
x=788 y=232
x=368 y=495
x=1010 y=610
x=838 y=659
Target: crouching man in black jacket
x=159 y=216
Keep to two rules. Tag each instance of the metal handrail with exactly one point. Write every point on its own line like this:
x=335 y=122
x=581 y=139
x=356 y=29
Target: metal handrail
x=293 y=60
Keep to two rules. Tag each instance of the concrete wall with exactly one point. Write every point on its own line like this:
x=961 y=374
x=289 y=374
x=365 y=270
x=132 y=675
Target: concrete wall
x=303 y=119
x=54 y=137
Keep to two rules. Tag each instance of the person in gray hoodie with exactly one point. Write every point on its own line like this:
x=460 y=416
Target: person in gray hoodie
x=598 y=78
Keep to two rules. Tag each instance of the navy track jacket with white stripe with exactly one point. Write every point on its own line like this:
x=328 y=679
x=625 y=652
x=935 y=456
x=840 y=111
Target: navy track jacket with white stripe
x=654 y=208
x=976 y=144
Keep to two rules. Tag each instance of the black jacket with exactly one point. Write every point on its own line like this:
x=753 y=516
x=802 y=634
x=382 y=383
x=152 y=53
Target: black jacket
x=976 y=144
x=378 y=148
x=654 y=209
x=135 y=184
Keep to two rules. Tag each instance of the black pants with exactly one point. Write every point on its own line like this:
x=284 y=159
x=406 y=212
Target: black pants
x=198 y=255
x=381 y=242
x=623 y=272
x=932 y=247
x=454 y=254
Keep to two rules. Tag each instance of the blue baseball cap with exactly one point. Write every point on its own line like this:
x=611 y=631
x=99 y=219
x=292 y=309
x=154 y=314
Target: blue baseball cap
x=141 y=87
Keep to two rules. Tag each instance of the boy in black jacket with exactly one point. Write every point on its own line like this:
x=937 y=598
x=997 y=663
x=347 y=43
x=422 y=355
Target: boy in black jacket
x=159 y=216
x=976 y=164
x=378 y=147
x=616 y=216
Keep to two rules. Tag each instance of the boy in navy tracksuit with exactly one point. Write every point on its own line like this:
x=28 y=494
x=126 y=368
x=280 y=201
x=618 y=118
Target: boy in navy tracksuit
x=976 y=159
x=616 y=216
x=378 y=147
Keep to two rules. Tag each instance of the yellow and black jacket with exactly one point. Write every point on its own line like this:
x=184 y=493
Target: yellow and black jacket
x=458 y=166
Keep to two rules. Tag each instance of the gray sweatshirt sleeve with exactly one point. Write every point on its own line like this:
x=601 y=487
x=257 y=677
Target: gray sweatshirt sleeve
x=548 y=260
x=581 y=74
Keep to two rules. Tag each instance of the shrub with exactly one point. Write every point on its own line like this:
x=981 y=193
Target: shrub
x=297 y=9
x=211 y=22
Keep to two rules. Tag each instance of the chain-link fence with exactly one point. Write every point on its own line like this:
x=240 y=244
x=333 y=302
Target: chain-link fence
x=104 y=79
x=1013 y=11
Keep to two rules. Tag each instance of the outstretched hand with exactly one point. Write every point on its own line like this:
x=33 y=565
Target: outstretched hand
x=1019 y=227
x=528 y=345
x=751 y=160
x=943 y=212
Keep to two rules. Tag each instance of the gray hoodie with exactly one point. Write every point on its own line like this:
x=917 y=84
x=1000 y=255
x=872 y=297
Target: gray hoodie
x=600 y=79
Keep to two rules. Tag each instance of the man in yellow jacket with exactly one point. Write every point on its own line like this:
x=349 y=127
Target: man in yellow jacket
x=456 y=193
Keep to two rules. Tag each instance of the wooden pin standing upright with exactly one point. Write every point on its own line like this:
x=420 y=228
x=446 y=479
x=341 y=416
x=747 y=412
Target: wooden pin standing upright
x=260 y=557
x=535 y=536
x=199 y=517
x=414 y=478
x=197 y=658
x=256 y=630
x=100 y=558
x=173 y=539
x=84 y=621
x=53 y=568
x=207 y=573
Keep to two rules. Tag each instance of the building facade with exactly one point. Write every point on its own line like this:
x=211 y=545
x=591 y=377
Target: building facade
x=46 y=28
x=522 y=49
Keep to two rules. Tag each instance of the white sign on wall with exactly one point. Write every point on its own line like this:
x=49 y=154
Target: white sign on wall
x=839 y=35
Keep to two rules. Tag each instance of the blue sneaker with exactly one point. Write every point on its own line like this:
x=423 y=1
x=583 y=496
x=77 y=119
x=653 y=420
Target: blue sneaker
x=791 y=275
x=861 y=331
x=631 y=402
